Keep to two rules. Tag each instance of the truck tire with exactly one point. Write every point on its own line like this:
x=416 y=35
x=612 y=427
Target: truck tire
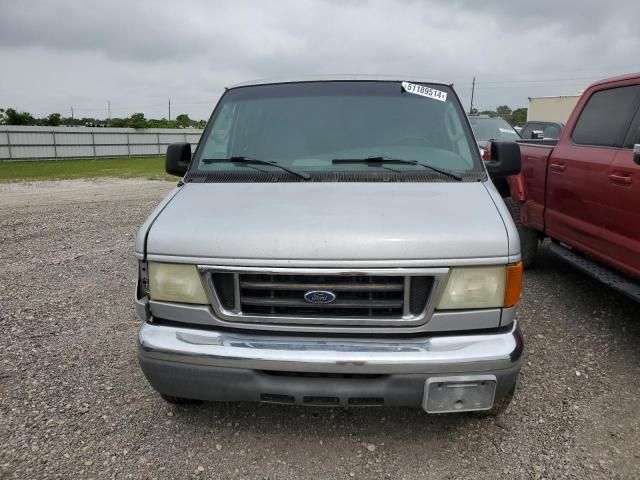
x=528 y=236
x=179 y=400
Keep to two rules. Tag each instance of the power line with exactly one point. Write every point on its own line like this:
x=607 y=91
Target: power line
x=545 y=80
x=523 y=82
x=208 y=102
x=498 y=82
x=496 y=87
x=478 y=84
x=592 y=73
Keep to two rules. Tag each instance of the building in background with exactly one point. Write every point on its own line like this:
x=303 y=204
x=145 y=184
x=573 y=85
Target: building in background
x=551 y=109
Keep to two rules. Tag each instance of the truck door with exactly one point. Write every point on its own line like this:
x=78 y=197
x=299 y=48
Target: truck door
x=623 y=214
x=578 y=184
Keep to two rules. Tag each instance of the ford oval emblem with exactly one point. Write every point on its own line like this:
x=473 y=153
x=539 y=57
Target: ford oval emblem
x=319 y=296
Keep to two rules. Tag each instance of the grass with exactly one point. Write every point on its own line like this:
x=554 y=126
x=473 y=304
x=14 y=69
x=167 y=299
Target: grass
x=141 y=167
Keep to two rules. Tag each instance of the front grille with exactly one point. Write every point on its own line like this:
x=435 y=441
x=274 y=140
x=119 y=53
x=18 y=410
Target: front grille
x=419 y=288
x=350 y=296
x=225 y=288
x=356 y=296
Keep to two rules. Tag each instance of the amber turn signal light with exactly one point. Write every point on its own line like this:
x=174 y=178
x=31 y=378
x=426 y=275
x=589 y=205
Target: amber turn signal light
x=513 y=287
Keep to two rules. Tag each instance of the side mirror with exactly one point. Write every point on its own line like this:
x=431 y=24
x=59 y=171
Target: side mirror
x=177 y=159
x=636 y=153
x=504 y=159
x=537 y=135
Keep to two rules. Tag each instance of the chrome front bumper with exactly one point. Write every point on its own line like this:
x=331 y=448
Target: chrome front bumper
x=436 y=354
x=217 y=365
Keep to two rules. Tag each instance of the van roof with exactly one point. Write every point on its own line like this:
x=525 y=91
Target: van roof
x=337 y=78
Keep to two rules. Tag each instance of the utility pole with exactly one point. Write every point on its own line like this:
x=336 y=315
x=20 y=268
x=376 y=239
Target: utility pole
x=473 y=90
x=169 y=109
x=109 y=110
x=71 y=112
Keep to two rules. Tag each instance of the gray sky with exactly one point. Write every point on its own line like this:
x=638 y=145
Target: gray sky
x=139 y=53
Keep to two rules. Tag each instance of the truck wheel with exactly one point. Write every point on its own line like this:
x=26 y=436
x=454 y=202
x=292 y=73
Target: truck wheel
x=528 y=236
x=179 y=400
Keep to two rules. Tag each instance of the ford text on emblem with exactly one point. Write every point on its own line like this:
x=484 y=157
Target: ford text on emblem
x=319 y=296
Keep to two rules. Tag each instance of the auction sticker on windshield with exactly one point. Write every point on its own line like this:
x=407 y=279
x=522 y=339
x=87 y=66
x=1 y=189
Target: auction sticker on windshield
x=424 y=91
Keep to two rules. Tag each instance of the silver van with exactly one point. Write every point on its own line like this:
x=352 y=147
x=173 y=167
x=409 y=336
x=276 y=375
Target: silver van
x=335 y=242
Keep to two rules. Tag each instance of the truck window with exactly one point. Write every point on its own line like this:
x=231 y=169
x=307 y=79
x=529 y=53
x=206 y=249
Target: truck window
x=633 y=136
x=495 y=128
x=605 y=119
x=528 y=130
x=551 y=131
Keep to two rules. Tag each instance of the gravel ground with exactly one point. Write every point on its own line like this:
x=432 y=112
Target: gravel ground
x=74 y=404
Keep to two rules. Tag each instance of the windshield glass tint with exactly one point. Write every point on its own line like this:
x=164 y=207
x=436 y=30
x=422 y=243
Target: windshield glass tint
x=493 y=129
x=307 y=125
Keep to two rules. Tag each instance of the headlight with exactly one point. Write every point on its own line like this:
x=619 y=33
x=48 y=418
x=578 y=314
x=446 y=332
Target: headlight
x=474 y=287
x=174 y=282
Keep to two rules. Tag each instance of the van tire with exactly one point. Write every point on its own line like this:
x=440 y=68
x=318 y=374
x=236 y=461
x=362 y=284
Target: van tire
x=528 y=236
x=179 y=400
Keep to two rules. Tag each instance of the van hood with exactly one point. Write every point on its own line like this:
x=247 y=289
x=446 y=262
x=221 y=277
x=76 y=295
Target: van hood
x=330 y=222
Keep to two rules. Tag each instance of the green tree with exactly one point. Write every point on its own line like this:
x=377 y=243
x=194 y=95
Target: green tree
x=490 y=113
x=119 y=122
x=12 y=117
x=162 y=123
x=504 y=111
x=53 y=120
x=518 y=117
x=137 y=120
x=183 y=120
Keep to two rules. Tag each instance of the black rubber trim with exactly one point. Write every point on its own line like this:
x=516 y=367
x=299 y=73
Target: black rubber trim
x=331 y=177
x=208 y=383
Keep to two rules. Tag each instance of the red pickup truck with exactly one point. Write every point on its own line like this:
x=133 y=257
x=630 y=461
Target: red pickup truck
x=583 y=190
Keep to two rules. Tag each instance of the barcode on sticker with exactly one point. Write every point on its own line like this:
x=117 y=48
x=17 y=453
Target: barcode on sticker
x=424 y=91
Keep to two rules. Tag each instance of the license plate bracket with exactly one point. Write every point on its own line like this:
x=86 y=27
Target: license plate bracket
x=463 y=393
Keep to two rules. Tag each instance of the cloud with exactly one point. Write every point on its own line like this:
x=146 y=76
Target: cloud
x=140 y=53
x=120 y=30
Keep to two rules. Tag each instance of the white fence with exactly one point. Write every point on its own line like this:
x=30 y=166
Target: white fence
x=31 y=143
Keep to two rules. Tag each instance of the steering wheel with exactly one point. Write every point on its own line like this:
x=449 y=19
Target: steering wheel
x=413 y=139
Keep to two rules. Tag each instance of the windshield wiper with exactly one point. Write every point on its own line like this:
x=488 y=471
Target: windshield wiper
x=380 y=160
x=248 y=160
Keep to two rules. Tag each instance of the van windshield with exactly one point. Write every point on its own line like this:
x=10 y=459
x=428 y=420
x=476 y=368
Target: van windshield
x=307 y=126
